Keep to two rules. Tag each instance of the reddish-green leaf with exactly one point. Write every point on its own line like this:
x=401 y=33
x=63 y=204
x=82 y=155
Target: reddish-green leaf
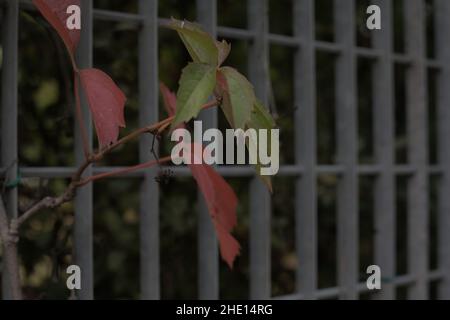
x=106 y=102
x=219 y=196
x=238 y=96
x=55 y=12
x=241 y=108
x=224 y=50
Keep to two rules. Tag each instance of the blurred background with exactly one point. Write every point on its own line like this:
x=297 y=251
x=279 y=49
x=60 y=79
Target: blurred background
x=46 y=139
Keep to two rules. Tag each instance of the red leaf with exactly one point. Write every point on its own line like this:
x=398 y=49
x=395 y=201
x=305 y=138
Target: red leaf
x=170 y=99
x=222 y=203
x=170 y=102
x=106 y=102
x=229 y=247
x=219 y=196
x=54 y=11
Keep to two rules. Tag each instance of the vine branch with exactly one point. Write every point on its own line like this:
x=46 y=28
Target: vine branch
x=78 y=181
x=9 y=228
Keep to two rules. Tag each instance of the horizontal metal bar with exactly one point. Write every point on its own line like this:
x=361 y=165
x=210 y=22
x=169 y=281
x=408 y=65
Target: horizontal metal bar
x=328 y=293
x=283 y=40
x=329 y=169
x=369 y=169
x=333 y=292
x=401 y=58
x=235 y=33
x=368 y=52
x=436 y=275
x=435 y=170
x=67 y=172
x=328 y=46
x=228 y=171
x=405 y=170
x=434 y=64
x=116 y=16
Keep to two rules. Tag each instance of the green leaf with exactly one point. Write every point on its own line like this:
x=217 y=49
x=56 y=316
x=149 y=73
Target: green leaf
x=242 y=109
x=262 y=119
x=238 y=97
x=196 y=86
x=224 y=50
x=200 y=45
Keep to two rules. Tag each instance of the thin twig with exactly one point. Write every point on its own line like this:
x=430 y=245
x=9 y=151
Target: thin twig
x=133 y=135
x=119 y=172
x=49 y=203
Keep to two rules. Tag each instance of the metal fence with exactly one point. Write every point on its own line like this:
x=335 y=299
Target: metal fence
x=306 y=169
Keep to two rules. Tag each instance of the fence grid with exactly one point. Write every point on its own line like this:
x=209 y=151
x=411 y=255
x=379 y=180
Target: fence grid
x=306 y=168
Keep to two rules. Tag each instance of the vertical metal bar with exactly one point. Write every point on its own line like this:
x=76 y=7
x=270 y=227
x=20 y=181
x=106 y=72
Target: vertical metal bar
x=83 y=230
x=148 y=113
x=260 y=202
x=346 y=104
x=9 y=112
x=417 y=144
x=442 y=27
x=208 y=262
x=305 y=148
x=383 y=95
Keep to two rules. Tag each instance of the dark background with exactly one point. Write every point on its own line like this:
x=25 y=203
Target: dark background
x=46 y=139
